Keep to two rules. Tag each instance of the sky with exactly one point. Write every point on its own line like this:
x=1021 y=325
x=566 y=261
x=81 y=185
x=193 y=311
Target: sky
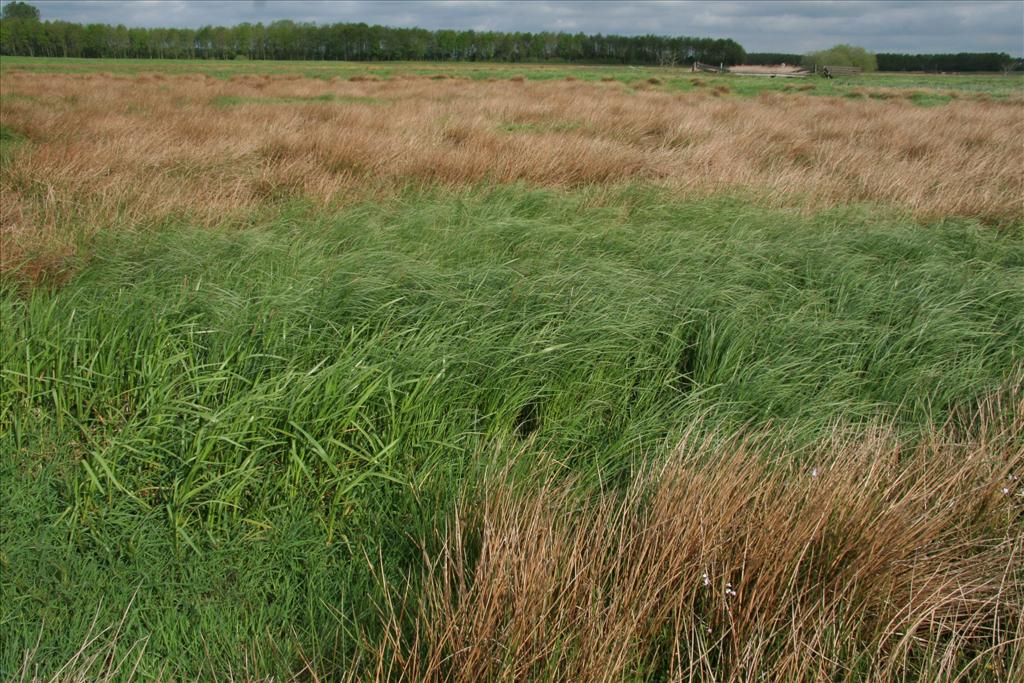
x=916 y=26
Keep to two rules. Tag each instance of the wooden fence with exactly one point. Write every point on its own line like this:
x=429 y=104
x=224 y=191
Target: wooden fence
x=833 y=71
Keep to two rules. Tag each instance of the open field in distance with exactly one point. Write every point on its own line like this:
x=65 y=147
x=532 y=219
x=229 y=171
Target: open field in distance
x=319 y=371
x=97 y=149
x=994 y=85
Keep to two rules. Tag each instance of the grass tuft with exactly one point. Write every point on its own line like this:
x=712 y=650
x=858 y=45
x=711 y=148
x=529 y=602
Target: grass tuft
x=715 y=565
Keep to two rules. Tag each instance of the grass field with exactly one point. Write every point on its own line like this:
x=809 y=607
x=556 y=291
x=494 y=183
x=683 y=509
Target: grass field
x=349 y=372
x=995 y=85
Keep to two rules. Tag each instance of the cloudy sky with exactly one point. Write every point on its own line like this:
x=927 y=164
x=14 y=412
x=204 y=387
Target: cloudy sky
x=882 y=26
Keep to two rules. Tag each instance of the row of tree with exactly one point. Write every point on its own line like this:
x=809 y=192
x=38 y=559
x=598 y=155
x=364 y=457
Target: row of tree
x=962 y=61
x=850 y=55
x=359 y=42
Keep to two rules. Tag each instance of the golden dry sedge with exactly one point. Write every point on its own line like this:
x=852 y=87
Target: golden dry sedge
x=109 y=150
x=744 y=571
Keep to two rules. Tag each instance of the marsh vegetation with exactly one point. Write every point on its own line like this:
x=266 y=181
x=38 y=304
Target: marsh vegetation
x=370 y=374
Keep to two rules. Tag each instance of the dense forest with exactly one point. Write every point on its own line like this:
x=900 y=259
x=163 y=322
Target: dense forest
x=27 y=35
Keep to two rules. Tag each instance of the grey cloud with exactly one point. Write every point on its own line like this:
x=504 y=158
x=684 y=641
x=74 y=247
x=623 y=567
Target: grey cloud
x=777 y=26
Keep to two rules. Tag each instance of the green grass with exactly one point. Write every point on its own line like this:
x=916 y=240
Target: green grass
x=10 y=137
x=241 y=430
x=992 y=85
x=10 y=140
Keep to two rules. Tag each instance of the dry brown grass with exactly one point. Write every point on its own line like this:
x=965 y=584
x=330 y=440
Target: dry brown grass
x=864 y=563
x=109 y=150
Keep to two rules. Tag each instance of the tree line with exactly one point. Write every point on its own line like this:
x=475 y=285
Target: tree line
x=846 y=55
x=24 y=34
x=961 y=61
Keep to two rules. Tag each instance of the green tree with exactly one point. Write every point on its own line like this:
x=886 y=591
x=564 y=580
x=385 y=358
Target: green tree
x=842 y=55
x=21 y=33
x=20 y=10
